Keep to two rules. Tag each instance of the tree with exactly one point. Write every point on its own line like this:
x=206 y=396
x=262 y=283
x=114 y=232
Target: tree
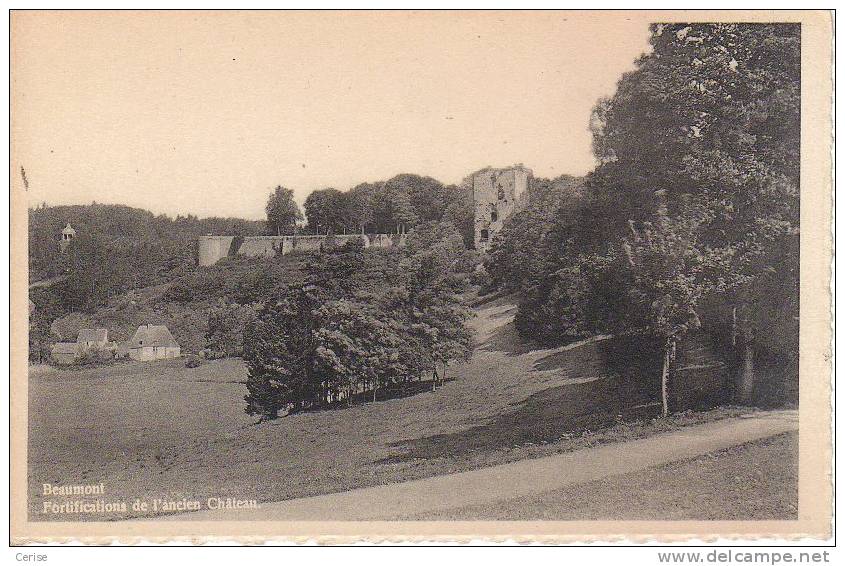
x=225 y=334
x=666 y=284
x=426 y=196
x=282 y=212
x=360 y=322
x=279 y=350
x=392 y=209
x=694 y=201
x=712 y=117
x=460 y=212
x=435 y=254
x=325 y=211
x=357 y=207
x=524 y=249
x=358 y=346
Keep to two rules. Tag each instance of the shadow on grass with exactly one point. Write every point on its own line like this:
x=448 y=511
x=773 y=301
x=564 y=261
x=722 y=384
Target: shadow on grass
x=543 y=417
x=506 y=339
x=581 y=358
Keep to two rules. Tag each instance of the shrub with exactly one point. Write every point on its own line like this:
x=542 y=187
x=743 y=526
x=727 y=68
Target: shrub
x=225 y=336
x=94 y=357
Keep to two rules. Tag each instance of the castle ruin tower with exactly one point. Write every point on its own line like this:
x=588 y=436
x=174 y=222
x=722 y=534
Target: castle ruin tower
x=496 y=194
x=67 y=236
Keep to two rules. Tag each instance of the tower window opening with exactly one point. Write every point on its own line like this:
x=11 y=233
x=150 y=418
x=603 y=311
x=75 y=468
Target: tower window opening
x=485 y=235
x=494 y=216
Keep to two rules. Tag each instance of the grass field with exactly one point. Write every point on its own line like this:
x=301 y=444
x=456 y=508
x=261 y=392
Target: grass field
x=720 y=486
x=160 y=430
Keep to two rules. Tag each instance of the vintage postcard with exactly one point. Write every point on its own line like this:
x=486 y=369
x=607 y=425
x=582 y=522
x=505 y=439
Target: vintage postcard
x=421 y=275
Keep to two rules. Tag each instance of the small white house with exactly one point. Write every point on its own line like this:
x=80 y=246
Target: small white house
x=153 y=342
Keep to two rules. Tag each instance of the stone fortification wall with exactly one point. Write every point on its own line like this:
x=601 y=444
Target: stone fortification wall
x=214 y=248
x=386 y=240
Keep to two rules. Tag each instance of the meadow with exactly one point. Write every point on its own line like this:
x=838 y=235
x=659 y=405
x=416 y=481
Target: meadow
x=161 y=430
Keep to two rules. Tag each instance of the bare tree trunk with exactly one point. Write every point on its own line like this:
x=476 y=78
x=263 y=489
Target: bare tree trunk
x=744 y=341
x=664 y=389
x=745 y=379
x=668 y=357
x=734 y=327
x=375 y=388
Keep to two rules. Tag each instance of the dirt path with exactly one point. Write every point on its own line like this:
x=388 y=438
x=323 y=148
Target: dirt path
x=47 y=282
x=517 y=479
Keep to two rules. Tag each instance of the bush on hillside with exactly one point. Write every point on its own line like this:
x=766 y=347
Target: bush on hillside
x=225 y=334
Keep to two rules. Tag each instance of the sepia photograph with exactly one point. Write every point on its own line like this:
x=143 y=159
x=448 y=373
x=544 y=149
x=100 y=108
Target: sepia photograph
x=420 y=275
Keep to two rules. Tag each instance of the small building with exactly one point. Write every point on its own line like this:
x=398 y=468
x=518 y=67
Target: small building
x=67 y=236
x=92 y=338
x=153 y=342
x=64 y=352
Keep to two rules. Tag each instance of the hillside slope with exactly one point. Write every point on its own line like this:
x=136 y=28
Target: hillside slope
x=183 y=303
x=158 y=429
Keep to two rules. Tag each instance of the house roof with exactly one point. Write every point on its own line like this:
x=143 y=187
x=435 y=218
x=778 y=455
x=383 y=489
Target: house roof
x=152 y=335
x=64 y=348
x=69 y=230
x=92 y=335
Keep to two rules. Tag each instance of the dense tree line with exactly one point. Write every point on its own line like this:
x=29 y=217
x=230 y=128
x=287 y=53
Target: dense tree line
x=361 y=323
x=690 y=221
x=130 y=247
x=392 y=206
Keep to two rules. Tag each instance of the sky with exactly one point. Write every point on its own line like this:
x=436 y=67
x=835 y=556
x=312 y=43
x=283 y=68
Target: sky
x=204 y=113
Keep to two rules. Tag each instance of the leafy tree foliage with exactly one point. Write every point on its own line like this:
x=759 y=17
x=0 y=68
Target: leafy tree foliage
x=360 y=323
x=691 y=217
x=325 y=210
x=460 y=212
x=359 y=206
x=143 y=248
x=528 y=243
x=282 y=212
x=427 y=197
x=225 y=334
x=392 y=206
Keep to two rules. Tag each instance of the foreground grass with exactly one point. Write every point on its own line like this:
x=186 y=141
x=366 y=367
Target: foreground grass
x=160 y=430
x=753 y=481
